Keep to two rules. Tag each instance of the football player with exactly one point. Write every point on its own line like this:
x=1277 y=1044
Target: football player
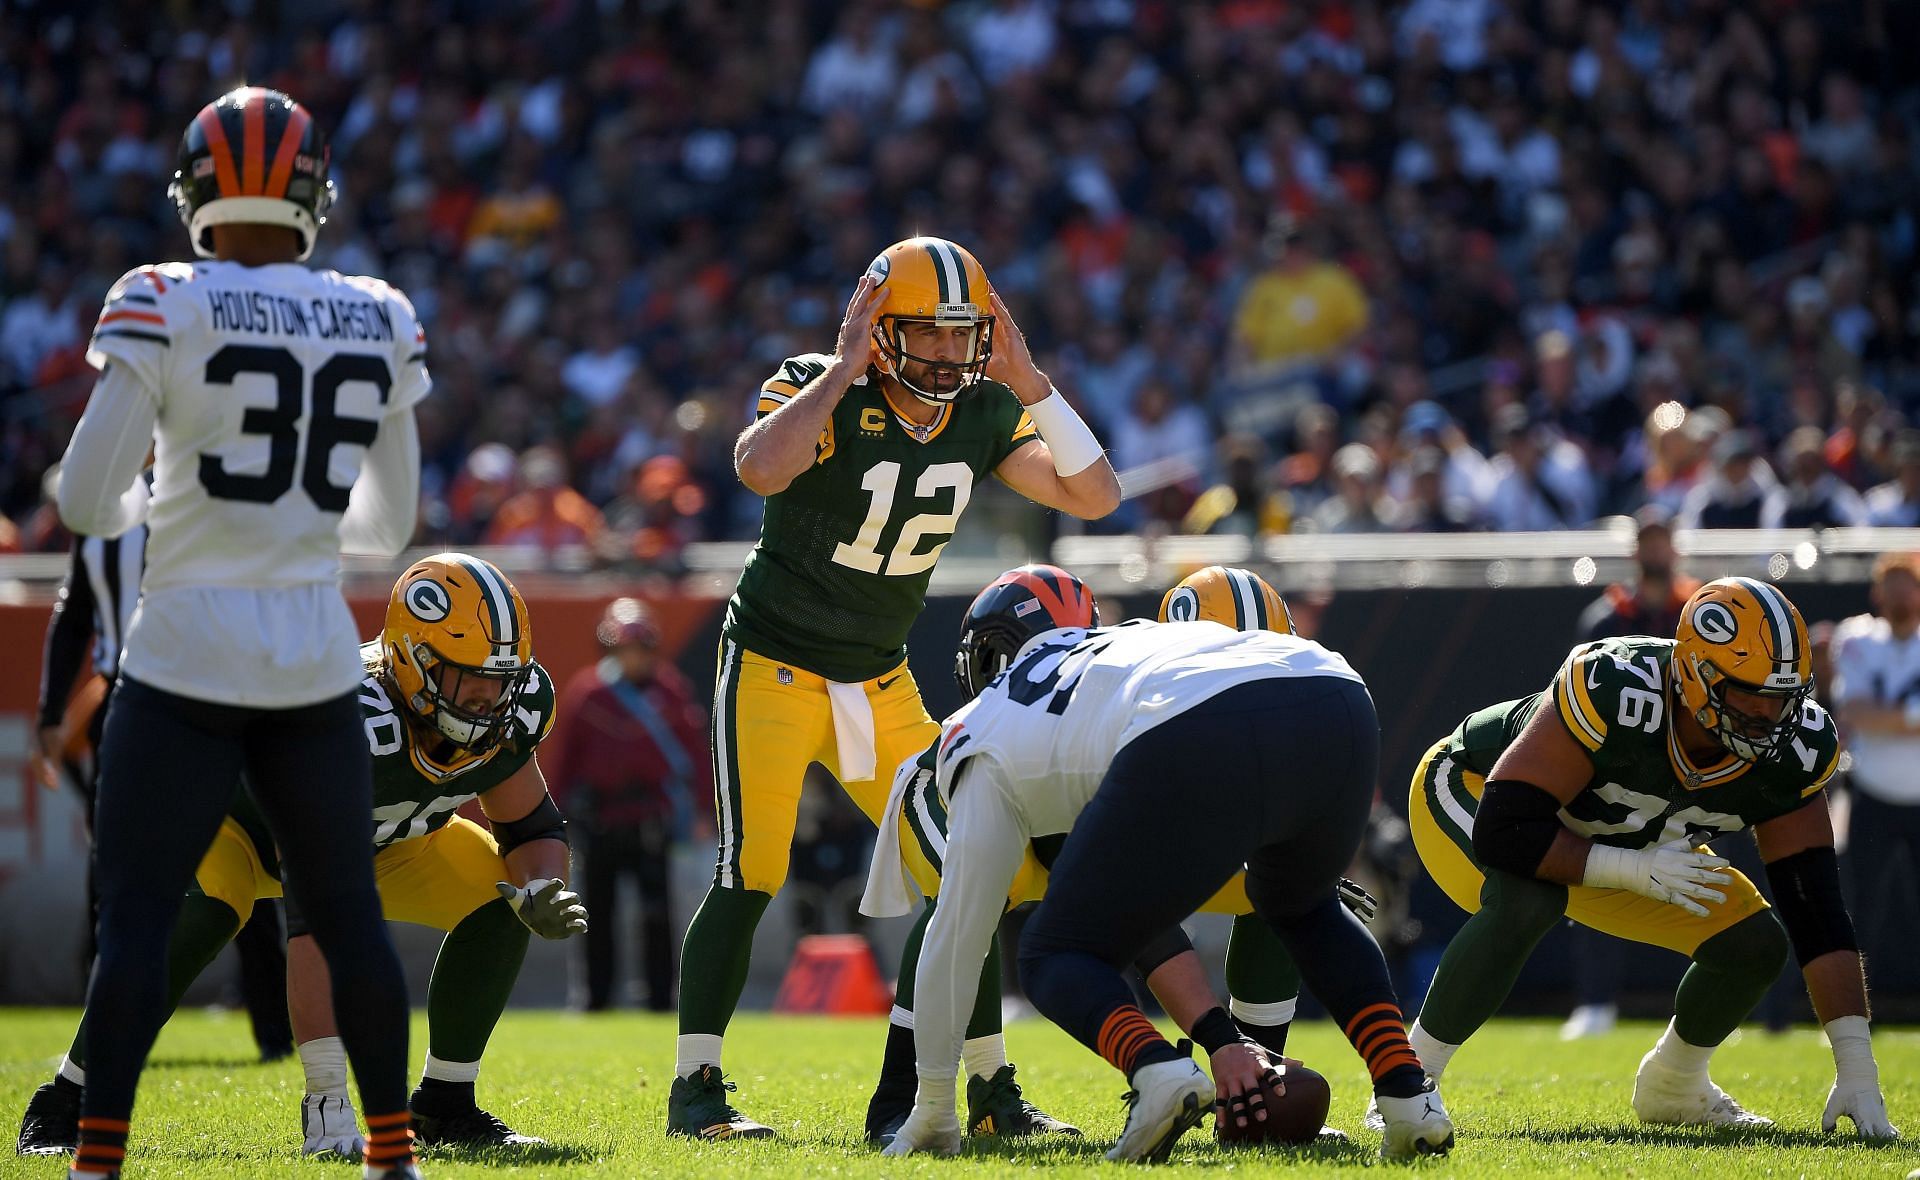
x=1263 y=984
x=1090 y=734
x=453 y=706
x=279 y=401
x=1593 y=800
x=867 y=459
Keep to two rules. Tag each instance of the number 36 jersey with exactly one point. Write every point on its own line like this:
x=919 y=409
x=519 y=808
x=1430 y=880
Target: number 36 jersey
x=1614 y=697
x=847 y=549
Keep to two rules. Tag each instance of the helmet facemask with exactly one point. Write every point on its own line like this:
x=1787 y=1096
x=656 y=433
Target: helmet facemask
x=890 y=339
x=473 y=727
x=1752 y=737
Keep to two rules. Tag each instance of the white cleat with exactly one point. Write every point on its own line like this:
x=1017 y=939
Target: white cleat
x=1168 y=1099
x=1590 y=1020
x=1415 y=1126
x=1668 y=1098
x=401 y=1172
x=1374 y=1120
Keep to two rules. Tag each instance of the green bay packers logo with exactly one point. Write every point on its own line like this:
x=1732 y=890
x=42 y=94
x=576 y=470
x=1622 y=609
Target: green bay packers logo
x=428 y=600
x=1183 y=605
x=880 y=268
x=1715 y=623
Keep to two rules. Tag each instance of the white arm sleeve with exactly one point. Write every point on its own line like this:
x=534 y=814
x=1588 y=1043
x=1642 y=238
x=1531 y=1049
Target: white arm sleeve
x=385 y=503
x=101 y=493
x=985 y=843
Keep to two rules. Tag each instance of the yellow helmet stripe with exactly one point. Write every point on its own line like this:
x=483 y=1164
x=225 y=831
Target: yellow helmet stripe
x=1248 y=609
x=1786 y=646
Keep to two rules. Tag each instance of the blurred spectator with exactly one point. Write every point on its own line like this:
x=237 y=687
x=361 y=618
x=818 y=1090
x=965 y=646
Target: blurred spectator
x=1426 y=507
x=1896 y=503
x=546 y=514
x=853 y=71
x=599 y=373
x=629 y=761
x=658 y=518
x=1731 y=498
x=1811 y=496
x=39 y=323
x=1302 y=309
x=1466 y=476
x=1241 y=504
x=1359 y=504
x=1540 y=480
x=1306 y=476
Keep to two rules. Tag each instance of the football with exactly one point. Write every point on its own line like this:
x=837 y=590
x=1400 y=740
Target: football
x=1295 y=1111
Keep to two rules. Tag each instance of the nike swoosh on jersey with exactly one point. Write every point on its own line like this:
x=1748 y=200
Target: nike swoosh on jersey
x=884 y=685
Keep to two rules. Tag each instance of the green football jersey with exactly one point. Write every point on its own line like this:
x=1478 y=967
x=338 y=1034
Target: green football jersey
x=1613 y=696
x=847 y=549
x=413 y=793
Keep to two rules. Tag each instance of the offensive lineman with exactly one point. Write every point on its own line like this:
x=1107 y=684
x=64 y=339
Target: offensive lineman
x=1592 y=800
x=453 y=705
x=279 y=401
x=1091 y=733
x=867 y=458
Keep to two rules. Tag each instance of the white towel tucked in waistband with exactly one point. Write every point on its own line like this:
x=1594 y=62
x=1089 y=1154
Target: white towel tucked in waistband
x=890 y=891
x=852 y=730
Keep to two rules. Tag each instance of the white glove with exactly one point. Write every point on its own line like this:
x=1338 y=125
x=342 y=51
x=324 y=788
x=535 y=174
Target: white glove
x=927 y=1129
x=547 y=907
x=1672 y=872
x=1856 y=1081
x=330 y=1124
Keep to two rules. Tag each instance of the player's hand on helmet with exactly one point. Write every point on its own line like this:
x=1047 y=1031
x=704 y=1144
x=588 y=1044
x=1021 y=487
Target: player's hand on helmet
x=927 y=1130
x=1011 y=363
x=855 y=346
x=1863 y=1103
x=330 y=1125
x=1363 y=904
x=1239 y=1070
x=1673 y=872
x=547 y=906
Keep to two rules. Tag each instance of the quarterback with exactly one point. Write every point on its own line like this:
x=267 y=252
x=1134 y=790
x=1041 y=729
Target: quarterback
x=453 y=706
x=867 y=459
x=1593 y=799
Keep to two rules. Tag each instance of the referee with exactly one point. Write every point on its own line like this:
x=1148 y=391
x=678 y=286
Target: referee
x=97 y=601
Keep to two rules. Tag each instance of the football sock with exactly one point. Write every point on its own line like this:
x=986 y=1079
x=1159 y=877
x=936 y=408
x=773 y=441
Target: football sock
x=714 y=958
x=693 y=1050
x=1480 y=965
x=1433 y=1052
x=472 y=978
x=1729 y=975
x=1259 y=968
x=1128 y=1040
x=1675 y=1053
x=984 y=1055
x=204 y=927
x=389 y=1142
x=324 y=1061
x=70 y=1073
x=1266 y=1024
x=1343 y=965
x=898 y=1062
x=103 y=1146
x=910 y=964
x=438 y=1094
x=1379 y=1034
x=985 y=1021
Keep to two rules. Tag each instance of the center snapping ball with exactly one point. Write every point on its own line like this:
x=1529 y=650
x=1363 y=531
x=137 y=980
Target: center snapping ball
x=1296 y=1110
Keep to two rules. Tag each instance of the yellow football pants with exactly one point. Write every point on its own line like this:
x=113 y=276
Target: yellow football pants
x=770 y=722
x=1440 y=810
x=434 y=880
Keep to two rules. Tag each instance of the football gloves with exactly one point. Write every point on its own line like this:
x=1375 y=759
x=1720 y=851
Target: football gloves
x=330 y=1125
x=1672 y=872
x=547 y=907
x=1856 y=1081
x=1357 y=899
x=927 y=1130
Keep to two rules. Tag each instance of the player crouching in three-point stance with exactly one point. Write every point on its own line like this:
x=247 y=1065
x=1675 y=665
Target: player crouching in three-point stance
x=1591 y=801
x=452 y=708
x=1093 y=733
x=867 y=458
x=279 y=404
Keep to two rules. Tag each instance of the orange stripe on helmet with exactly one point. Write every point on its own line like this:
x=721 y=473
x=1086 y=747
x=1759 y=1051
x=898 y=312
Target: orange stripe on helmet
x=290 y=139
x=1066 y=602
x=253 y=149
x=225 y=179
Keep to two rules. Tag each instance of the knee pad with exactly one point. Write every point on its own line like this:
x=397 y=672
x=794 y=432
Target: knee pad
x=1523 y=903
x=1753 y=946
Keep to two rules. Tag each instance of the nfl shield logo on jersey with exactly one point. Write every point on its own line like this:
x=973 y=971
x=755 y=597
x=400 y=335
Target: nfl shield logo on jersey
x=784 y=675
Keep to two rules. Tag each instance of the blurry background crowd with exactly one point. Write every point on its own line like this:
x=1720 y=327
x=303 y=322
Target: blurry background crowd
x=1307 y=265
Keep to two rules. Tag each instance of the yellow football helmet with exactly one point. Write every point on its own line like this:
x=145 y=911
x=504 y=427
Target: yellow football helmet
x=1239 y=598
x=457 y=644
x=1743 y=634
x=932 y=281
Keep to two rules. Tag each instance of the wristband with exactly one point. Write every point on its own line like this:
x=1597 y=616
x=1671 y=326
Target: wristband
x=1215 y=1031
x=1072 y=443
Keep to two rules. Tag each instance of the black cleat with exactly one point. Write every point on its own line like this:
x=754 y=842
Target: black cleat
x=995 y=1106
x=892 y=1102
x=51 y=1125
x=698 y=1107
x=471 y=1127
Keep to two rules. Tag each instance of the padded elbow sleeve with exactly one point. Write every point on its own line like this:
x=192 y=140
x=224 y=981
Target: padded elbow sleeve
x=1806 y=891
x=1515 y=826
x=544 y=822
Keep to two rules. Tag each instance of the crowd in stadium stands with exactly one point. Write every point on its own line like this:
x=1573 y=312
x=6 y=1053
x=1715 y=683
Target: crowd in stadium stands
x=1346 y=266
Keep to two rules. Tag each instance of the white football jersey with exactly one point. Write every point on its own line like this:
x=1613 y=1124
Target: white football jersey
x=272 y=382
x=1871 y=667
x=1072 y=699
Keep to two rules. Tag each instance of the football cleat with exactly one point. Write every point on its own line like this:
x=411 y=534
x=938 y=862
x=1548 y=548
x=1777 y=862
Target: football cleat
x=472 y=1127
x=1670 y=1098
x=1414 y=1126
x=51 y=1125
x=995 y=1106
x=1590 y=1020
x=397 y=1172
x=697 y=1107
x=1168 y=1099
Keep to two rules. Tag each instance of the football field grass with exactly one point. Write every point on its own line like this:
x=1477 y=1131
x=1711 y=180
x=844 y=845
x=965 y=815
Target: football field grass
x=596 y=1088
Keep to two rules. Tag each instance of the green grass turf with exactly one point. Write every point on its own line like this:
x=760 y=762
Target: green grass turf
x=596 y=1088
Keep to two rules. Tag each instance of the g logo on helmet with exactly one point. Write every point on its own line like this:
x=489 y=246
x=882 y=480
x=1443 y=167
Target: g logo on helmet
x=428 y=600
x=1183 y=606
x=880 y=268
x=1715 y=623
